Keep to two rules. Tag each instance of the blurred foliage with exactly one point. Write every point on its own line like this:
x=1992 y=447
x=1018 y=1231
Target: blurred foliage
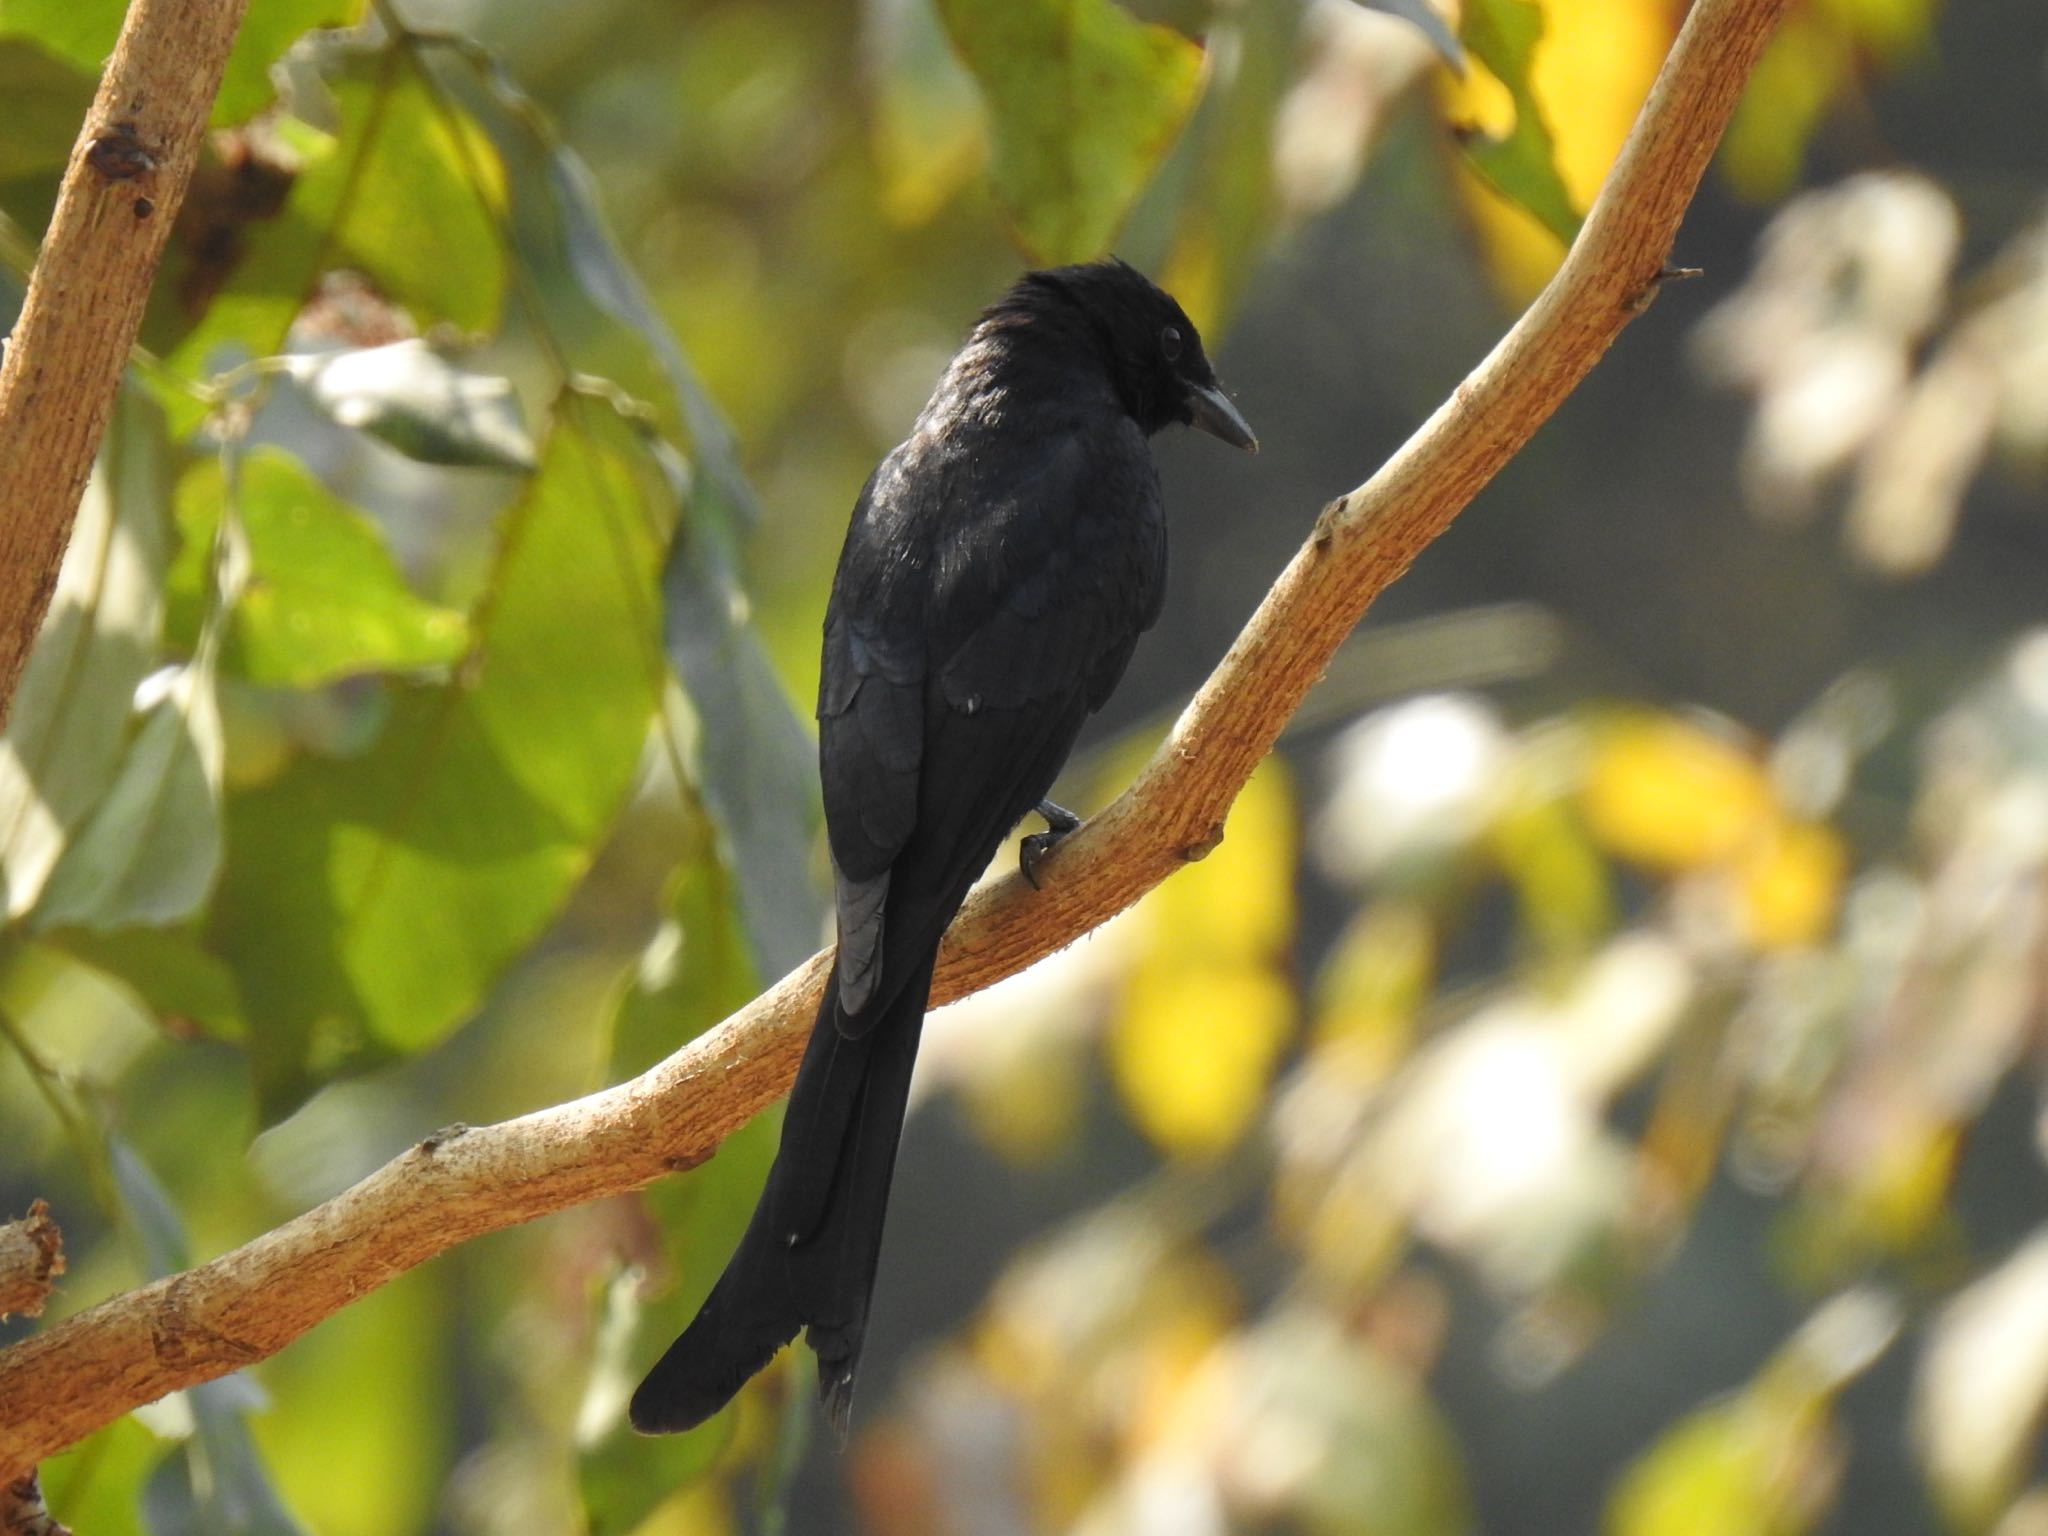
x=415 y=736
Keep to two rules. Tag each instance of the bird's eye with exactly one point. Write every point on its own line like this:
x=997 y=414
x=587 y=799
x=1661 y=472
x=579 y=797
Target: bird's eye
x=1169 y=343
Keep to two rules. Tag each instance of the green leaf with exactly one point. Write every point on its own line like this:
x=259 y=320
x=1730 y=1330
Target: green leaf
x=368 y=903
x=267 y=30
x=82 y=32
x=1225 y=222
x=1085 y=102
x=406 y=193
x=324 y=599
x=71 y=713
x=47 y=98
x=149 y=853
x=596 y=310
x=755 y=762
x=215 y=1482
x=695 y=971
x=1522 y=167
x=166 y=970
x=367 y=1411
x=701 y=1214
x=407 y=395
x=595 y=262
x=96 y=1485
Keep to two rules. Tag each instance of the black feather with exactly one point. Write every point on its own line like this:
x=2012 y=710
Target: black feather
x=1001 y=563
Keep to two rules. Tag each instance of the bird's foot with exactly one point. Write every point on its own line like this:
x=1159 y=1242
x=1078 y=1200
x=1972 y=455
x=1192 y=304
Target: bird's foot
x=1059 y=822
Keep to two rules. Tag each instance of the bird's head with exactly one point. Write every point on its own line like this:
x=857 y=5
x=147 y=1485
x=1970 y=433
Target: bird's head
x=1153 y=350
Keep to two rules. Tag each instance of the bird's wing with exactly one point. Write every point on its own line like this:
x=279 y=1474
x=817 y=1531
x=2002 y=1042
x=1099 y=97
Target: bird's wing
x=937 y=734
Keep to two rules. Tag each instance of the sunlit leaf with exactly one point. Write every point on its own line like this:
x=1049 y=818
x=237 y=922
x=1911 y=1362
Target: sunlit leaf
x=408 y=395
x=365 y=1417
x=1587 y=77
x=1782 y=104
x=1521 y=165
x=324 y=598
x=1085 y=101
x=1560 y=880
x=1819 y=54
x=72 y=711
x=755 y=759
x=1765 y=1461
x=1371 y=985
x=407 y=192
x=96 y=1485
x=369 y=901
x=82 y=32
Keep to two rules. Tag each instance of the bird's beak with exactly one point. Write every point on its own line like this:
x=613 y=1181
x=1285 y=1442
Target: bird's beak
x=1214 y=414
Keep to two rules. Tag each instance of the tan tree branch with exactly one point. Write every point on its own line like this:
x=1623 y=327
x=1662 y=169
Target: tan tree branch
x=31 y=1258
x=126 y=182
x=59 y=1385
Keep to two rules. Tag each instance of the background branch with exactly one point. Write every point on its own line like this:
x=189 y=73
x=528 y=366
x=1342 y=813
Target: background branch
x=59 y=1385
x=126 y=182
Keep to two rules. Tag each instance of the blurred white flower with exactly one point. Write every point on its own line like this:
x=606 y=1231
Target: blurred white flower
x=1410 y=783
x=1983 y=1383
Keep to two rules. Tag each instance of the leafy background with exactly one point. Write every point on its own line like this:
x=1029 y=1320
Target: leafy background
x=1591 y=1087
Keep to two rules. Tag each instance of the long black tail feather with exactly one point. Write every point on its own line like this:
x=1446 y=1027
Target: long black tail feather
x=809 y=1255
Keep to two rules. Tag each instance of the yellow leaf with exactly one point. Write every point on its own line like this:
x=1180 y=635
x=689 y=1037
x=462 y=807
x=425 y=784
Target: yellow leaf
x=1789 y=880
x=1238 y=903
x=1728 y=1470
x=1669 y=795
x=1193 y=1048
x=1207 y=1010
x=1559 y=878
x=1592 y=69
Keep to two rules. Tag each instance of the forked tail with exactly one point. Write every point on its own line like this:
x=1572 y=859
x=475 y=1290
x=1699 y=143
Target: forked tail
x=809 y=1255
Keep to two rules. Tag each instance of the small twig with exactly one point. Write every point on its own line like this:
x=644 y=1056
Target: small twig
x=250 y=1303
x=31 y=1258
x=22 y=1512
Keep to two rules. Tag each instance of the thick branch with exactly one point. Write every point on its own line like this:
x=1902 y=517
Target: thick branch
x=249 y=1303
x=127 y=179
x=31 y=1257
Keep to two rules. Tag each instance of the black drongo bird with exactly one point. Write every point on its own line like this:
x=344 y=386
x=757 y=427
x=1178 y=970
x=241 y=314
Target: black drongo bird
x=1001 y=564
